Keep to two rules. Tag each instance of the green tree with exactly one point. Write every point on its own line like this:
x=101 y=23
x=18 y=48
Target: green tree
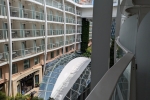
x=3 y=96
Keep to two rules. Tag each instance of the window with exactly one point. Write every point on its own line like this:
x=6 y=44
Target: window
x=36 y=60
x=26 y=63
x=36 y=78
x=14 y=68
x=0 y=73
x=66 y=49
x=52 y=54
x=57 y=52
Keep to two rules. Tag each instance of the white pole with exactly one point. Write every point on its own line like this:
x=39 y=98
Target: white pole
x=10 y=47
x=45 y=54
x=75 y=27
x=64 y=14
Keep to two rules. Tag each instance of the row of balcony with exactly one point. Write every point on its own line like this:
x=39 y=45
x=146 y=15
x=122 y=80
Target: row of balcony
x=16 y=54
x=59 y=5
x=32 y=14
x=34 y=33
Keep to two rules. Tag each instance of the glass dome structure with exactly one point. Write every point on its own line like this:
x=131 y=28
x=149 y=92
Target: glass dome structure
x=82 y=82
x=52 y=71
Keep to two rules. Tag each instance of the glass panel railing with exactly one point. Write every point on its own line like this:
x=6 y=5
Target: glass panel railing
x=40 y=1
x=3 y=10
x=54 y=4
x=55 y=32
x=26 y=13
x=70 y=20
x=3 y=57
x=54 y=45
x=70 y=31
x=78 y=12
x=26 y=52
x=122 y=89
x=17 y=33
x=79 y=31
x=3 y=34
x=120 y=78
x=69 y=9
x=55 y=18
x=79 y=22
x=78 y=40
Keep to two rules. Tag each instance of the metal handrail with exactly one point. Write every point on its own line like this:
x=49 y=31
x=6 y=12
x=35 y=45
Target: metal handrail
x=121 y=46
x=106 y=86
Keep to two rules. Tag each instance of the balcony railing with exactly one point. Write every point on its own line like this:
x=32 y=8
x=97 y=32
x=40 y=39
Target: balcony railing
x=70 y=20
x=78 y=40
x=78 y=12
x=56 y=18
x=55 y=32
x=54 y=3
x=79 y=31
x=27 y=33
x=69 y=9
x=70 y=31
x=26 y=13
x=54 y=45
x=119 y=81
x=3 y=10
x=41 y=1
x=90 y=36
x=79 y=22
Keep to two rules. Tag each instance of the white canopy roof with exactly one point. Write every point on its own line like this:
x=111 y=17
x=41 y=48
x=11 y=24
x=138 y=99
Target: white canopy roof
x=68 y=77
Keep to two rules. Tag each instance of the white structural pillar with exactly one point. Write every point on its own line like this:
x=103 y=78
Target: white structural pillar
x=10 y=48
x=64 y=14
x=75 y=27
x=45 y=54
x=118 y=23
x=102 y=18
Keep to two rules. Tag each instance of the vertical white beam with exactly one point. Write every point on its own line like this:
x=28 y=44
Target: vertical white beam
x=10 y=47
x=118 y=23
x=75 y=27
x=64 y=14
x=100 y=39
x=45 y=54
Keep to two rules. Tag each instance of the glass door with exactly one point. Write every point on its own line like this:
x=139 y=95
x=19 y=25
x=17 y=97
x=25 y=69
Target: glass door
x=5 y=30
x=23 y=48
x=34 y=45
x=33 y=12
x=34 y=30
x=43 y=44
x=22 y=31
x=21 y=10
x=42 y=30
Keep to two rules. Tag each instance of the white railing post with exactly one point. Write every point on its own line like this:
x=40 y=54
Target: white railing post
x=64 y=14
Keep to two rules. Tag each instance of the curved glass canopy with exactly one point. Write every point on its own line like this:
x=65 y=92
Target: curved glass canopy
x=52 y=71
x=79 y=86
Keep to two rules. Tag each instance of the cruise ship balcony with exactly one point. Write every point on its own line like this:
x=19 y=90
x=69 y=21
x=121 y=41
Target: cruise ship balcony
x=26 y=13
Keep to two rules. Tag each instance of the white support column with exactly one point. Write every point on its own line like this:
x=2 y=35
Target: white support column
x=10 y=48
x=64 y=14
x=100 y=39
x=45 y=53
x=75 y=27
